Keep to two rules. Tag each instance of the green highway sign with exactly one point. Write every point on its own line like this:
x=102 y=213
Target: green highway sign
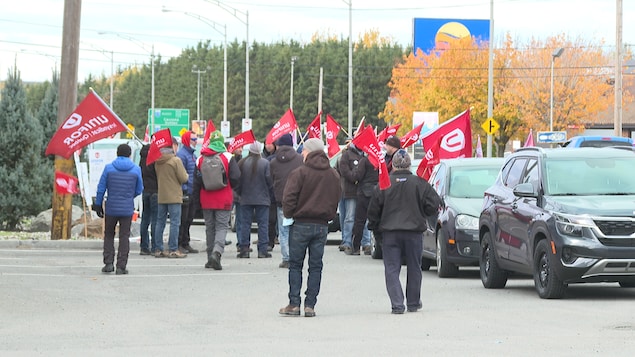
x=177 y=120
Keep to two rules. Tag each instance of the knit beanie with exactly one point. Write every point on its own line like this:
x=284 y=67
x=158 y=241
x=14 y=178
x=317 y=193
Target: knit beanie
x=401 y=160
x=217 y=142
x=313 y=144
x=255 y=148
x=285 y=139
x=394 y=142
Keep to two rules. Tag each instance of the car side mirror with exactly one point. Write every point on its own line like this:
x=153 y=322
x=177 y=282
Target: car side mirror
x=525 y=190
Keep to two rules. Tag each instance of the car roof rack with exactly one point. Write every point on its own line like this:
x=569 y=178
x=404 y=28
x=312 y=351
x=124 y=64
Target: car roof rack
x=531 y=148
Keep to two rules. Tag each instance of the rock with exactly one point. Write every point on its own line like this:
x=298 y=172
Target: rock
x=42 y=223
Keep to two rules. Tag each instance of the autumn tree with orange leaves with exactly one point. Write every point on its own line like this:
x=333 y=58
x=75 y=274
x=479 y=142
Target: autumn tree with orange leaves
x=454 y=80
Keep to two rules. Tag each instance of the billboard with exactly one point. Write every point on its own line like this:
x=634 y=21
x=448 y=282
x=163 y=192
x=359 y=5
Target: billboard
x=430 y=34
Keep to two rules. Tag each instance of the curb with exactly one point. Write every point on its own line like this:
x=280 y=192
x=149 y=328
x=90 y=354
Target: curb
x=97 y=244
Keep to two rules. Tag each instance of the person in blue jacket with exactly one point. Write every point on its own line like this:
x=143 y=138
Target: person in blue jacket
x=122 y=181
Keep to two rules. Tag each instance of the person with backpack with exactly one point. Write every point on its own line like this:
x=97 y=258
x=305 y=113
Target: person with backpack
x=216 y=173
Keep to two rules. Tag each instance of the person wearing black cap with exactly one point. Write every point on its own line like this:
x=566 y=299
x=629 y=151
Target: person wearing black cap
x=121 y=179
x=400 y=212
x=391 y=146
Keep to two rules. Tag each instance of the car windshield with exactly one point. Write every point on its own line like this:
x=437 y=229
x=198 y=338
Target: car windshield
x=471 y=182
x=584 y=176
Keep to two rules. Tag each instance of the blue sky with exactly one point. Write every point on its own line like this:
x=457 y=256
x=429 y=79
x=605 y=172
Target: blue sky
x=31 y=30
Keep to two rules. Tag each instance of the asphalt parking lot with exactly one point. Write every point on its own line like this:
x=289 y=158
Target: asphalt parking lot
x=55 y=301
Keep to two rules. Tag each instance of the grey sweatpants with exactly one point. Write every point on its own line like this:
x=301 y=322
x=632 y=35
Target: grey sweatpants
x=216 y=226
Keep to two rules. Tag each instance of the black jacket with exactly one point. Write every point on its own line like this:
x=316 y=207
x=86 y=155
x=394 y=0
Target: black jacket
x=346 y=167
x=367 y=176
x=404 y=206
x=148 y=173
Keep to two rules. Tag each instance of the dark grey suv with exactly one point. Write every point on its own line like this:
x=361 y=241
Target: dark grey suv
x=562 y=216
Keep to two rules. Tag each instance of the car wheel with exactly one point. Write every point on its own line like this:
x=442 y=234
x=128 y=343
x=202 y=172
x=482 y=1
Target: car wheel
x=627 y=284
x=444 y=268
x=375 y=244
x=492 y=276
x=548 y=285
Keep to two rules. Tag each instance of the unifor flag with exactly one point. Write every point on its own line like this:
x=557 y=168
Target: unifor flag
x=315 y=128
x=530 y=139
x=240 y=140
x=161 y=139
x=411 y=137
x=388 y=131
x=209 y=129
x=65 y=184
x=366 y=141
x=332 y=129
x=285 y=125
x=449 y=140
x=91 y=120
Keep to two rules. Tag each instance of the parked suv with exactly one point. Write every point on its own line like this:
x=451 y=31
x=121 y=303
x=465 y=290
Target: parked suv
x=563 y=216
x=597 y=141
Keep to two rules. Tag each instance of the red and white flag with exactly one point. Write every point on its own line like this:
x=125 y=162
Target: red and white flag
x=366 y=141
x=388 y=131
x=91 y=120
x=285 y=125
x=411 y=137
x=530 y=139
x=449 y=140
x=65 y=184
x=240 y=140
x=209 y=129
x=315 y=128
x=479 y=148
x=332 y=129
x=146 y=136
x=360 y=127
x=161 y=139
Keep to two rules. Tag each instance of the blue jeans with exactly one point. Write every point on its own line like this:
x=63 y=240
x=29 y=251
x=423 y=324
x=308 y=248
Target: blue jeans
x=366 y=236
x=261 y=215
x=347 y=219
x=303 y=236
x=283 y=236
x=174 y=209
x=149 y=219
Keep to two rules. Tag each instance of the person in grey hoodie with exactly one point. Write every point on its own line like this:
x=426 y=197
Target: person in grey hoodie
x=254 y=187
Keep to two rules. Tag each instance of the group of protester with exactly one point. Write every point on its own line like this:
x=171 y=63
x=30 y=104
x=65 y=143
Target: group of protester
x=290 y=195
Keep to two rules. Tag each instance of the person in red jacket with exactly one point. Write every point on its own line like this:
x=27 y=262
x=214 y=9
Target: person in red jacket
x=217 y=204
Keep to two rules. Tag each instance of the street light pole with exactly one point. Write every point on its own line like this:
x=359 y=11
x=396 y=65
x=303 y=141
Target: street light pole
x=224 y=33
x=198 y=89
x=293 y=59
x=234 y=12
x=141 y=45
x=350 y=65
x=557 y=53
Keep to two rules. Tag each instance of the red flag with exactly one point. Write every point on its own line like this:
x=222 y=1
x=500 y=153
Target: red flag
x=452 y=138
x=240 y=140
x=209 y=129
x=146 y=136
x=479 y=148
x=530 y=139
x=65 y=184
x=411 y=137
x=91 y=120
x=161 y=139
x=285 y=125
x=315 y=128
x=388 y=131
x=332 y=129
x=360 y=127
x=367 y=142
x=424 y=170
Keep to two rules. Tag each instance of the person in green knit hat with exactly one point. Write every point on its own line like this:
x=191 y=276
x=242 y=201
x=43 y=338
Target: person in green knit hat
x=216 y=205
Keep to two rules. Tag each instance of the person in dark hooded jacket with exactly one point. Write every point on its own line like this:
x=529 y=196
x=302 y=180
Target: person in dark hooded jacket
x=150 y=203
x=121 y=179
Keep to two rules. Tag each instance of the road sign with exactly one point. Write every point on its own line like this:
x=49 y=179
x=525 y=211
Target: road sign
x=176 y=120
x=490 y=126
x=552 y=136
x=129 y=133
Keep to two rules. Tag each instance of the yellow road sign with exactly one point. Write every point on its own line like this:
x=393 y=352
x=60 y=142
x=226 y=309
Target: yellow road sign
x=490 y=126
x=128 y=134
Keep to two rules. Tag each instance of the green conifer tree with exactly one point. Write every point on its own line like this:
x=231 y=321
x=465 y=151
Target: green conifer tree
x=25 y=184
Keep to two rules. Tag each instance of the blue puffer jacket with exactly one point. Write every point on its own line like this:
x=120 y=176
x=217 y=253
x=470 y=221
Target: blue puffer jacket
x=186 y=154
x=122 y=179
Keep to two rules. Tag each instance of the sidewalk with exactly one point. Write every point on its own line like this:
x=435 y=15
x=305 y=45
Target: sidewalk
x=197 y=243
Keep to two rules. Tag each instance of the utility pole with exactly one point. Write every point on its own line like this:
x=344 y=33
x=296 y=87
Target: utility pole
x=617 y=116
x=62 y=204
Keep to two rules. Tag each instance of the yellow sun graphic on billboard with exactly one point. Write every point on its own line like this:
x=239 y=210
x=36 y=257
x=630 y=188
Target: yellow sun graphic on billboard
x=449 y=32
